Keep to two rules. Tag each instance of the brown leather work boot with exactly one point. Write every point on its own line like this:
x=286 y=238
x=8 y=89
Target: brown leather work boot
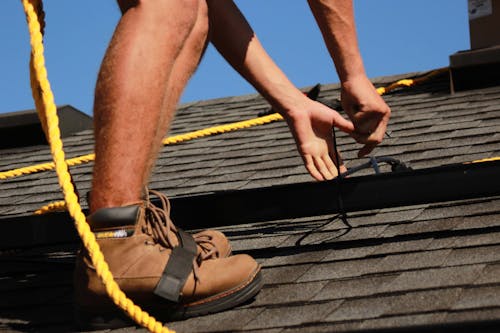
x=166 y=271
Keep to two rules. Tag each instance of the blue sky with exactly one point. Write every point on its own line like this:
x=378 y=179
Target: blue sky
x=395 y=37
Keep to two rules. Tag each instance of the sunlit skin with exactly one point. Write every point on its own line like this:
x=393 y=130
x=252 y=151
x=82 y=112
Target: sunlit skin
x=156 y=47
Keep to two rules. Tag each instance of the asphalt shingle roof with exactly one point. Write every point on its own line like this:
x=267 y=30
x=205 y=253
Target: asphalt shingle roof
x=424 y=267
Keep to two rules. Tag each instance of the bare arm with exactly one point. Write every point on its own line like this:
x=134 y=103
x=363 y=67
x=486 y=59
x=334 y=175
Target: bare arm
x=236 y=41
x=368 y=111
x=310 y=122
x=335 y=19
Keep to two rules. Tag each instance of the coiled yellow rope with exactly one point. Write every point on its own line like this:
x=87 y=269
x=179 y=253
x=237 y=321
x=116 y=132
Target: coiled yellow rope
x=44 y=101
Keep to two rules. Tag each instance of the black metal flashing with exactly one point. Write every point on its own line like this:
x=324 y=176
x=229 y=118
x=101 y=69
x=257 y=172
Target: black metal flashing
x=406 y=188
x=489 y=326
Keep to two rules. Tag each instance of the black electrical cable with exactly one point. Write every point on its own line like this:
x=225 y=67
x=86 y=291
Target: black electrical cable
x=396 y=165
x=342 y=215
x=340 y=177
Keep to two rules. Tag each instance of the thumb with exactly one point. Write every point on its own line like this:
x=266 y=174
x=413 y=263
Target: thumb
x=341 y=123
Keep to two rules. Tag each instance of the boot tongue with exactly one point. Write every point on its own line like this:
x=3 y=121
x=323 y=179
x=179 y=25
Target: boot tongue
x=114 y=219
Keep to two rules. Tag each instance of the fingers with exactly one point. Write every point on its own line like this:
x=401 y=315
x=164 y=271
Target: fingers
x=370 y=140
x=325 y=171
x=311 y=168
x=332 y=169
x=367 y=110
x=341 y=123
x=323 y=168
x=343 y=168
x=340 y=161
x=320 y=168
x=366 y=149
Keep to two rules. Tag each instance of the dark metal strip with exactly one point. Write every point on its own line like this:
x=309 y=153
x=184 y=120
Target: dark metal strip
x=405 y=188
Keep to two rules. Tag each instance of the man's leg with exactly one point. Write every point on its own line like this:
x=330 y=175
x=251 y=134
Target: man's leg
x=129 y=183
x=139 y=85
x=130 y=96
x=184 y=67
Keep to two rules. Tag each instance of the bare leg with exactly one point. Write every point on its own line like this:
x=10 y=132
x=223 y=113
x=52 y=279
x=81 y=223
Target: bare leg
x=184 y=67
x=130 y=95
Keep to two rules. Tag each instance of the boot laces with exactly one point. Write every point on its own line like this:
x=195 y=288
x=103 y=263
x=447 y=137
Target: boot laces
x=207 y=246
x=163 y=232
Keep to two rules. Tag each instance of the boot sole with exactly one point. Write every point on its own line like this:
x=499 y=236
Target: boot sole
x=89 y=321
x=223 y=302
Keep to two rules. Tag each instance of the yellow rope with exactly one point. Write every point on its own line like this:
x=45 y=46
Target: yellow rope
x=208 y=131
x=167 y=141
x=410 y=82
x=47 y=107
x=56 y=206
x=222 y=129
x=45 y=167
x=497 y=158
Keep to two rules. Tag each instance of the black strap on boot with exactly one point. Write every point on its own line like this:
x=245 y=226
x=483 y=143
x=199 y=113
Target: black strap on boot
x=178 y=268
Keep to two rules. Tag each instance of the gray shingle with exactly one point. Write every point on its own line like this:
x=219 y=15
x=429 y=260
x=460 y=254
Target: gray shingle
x=293 y=315
x=434 y=278
x=299 y=258
x=490 y=274
x=422 y=227
x=350 y=253
x=473 y=255
x=461 y=316
x=425 y=301
x=354 y=287
x=342 y=269
x=360 y=309
x=479 y=297
x=404 y=321
x=284 y=294
x=285 y=274
x=414 y=260
x=223 y=321
x=403 y=246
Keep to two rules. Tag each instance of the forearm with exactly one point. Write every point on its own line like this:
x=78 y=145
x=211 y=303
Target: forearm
x=335 y=19
x=310 y=122
x=236 y=41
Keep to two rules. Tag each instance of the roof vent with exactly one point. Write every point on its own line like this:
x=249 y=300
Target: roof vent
x=23 y=128
x=479 y=67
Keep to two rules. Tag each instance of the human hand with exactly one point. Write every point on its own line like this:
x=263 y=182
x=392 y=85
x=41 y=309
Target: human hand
x=311 y=125
x=368 y=112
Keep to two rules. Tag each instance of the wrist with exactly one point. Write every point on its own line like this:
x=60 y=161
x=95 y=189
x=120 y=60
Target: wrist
x=290 y=104
x=352 y=78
